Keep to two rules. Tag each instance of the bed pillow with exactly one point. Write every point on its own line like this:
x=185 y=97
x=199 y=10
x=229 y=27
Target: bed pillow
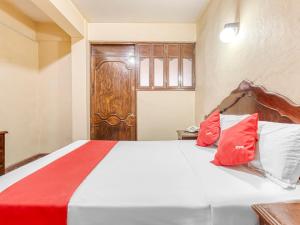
x=238 y=143
x=278 y=155
x=209 y=131
x=227 y=121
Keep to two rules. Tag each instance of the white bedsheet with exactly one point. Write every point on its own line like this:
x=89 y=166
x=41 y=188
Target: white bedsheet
x=162 y=183
x=231 y=191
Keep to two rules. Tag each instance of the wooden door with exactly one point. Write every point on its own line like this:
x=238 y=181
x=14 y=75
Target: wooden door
x=113 y=96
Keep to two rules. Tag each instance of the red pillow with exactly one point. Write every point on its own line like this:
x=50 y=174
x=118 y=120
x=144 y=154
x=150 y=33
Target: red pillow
x=209 y=131
x=238 y=143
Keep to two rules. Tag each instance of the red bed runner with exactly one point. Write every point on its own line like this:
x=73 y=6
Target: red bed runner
x=42 y=198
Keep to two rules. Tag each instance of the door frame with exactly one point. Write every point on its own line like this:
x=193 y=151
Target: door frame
x=91 y=80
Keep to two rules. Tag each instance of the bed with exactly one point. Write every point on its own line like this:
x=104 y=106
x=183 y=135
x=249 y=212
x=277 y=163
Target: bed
x=173 y=182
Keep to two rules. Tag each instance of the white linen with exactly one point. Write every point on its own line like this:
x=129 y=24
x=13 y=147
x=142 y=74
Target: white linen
x=278 y=153
x=227 y=121
x=162 y=183
x=231 y=191
x=140 y=183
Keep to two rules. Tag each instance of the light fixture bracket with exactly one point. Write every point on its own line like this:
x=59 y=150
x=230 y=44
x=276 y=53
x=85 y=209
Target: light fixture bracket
x=235 y=26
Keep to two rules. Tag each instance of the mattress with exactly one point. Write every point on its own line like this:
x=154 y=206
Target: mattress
x=162 y=183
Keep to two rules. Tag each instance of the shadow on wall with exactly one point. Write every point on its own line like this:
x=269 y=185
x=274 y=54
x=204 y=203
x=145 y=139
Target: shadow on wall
x=54 y=88
x=35 y=85
x=54 y=44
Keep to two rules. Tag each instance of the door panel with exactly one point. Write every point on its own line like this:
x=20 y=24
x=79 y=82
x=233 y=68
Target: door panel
x=113 y=97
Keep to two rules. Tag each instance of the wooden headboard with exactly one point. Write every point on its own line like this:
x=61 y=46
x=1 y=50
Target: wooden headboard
x=249 y=98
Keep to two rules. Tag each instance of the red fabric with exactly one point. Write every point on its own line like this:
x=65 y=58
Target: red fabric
x=238 y=143
x=42 y=198
x=209 y=131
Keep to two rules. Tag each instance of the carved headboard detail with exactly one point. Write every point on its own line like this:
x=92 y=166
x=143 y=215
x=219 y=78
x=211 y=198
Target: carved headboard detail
x=249 y=98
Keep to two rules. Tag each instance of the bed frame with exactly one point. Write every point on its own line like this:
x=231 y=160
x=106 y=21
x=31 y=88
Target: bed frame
x=249 y=98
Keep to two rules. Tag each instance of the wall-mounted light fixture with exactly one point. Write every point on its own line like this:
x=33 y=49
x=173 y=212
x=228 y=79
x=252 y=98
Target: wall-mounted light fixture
x=230 y=32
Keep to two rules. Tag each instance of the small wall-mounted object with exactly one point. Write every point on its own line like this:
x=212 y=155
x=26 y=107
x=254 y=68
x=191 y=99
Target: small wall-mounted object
x=230 y=32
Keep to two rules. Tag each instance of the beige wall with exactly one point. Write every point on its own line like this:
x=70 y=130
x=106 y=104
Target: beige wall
x=67 y=17
x=161 y=113
x=17 y=21
x=99 y=32
x=45 y=80
x=35 y=84
x=18 y=85
x=267 y=50
x=54 y=88
x=112 y=32
x=80 y=89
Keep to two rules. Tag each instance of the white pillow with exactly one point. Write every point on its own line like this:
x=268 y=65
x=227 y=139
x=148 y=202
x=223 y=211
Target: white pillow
x=278 y=152
x=227 y=121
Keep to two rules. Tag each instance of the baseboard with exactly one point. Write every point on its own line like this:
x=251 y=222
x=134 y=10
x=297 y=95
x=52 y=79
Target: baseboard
x=24 y=162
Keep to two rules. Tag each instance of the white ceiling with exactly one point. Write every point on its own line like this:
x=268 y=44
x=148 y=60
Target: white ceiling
x=30 y=10
x=141 y=11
